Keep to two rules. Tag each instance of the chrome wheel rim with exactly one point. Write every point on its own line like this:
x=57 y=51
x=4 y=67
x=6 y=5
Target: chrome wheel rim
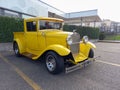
x=50 y=63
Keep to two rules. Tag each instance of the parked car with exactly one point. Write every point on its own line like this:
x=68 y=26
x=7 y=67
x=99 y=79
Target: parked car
x=61 y=50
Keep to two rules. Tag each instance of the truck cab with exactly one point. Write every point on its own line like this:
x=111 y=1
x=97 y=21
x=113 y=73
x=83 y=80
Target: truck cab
x=61 y=50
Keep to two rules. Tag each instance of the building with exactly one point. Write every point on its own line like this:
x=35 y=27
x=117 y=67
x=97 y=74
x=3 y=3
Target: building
x=31 y=7
x=28 y=8
x=110 y=26
x=88 y=18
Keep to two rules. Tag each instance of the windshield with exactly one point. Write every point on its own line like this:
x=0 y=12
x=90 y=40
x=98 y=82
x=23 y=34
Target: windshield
x=44 y=24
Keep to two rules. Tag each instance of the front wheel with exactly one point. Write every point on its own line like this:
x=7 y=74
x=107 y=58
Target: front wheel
x=54 y=62
x=91 y=53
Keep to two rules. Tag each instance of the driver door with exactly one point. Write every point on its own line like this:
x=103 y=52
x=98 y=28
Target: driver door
x=31 y=35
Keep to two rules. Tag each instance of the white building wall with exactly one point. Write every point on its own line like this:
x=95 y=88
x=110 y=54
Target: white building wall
x=32 y=7
x=81 y=14
x=95 y=24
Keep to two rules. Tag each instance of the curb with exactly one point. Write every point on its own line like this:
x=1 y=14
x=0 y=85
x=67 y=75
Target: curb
x=109 y=41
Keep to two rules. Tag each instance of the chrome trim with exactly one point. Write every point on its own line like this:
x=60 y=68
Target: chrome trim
x=79 y=65
x=74 y=47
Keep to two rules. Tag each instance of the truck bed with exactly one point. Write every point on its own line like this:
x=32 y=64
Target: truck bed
x=19 y=35
x=20 y=38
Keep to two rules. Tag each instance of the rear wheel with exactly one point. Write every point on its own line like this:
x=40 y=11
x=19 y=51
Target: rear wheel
x=16 y=49
x=91 y=53
x=54 y=62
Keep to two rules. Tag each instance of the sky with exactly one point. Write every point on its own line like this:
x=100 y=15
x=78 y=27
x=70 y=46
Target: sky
x=107 y=9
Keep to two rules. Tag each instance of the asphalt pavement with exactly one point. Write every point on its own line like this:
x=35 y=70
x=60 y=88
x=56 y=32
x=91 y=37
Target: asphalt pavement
x=21 y=73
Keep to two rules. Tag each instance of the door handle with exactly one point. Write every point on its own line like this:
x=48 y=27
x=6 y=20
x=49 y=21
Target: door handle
x=43 y=34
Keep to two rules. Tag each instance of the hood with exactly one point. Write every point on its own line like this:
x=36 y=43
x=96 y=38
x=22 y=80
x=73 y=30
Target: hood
x=56 y=37
x=57 y=33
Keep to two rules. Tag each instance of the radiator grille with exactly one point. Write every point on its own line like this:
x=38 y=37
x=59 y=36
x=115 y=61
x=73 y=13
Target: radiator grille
x=74 y=47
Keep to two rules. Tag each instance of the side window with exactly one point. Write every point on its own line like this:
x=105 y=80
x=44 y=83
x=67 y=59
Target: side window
x=31 y=26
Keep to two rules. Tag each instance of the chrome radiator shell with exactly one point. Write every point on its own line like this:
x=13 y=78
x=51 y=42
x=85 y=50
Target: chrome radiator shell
x=74 y=47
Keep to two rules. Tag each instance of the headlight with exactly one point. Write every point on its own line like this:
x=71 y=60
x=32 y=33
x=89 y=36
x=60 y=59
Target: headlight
x=69 y=39
x=85 y=39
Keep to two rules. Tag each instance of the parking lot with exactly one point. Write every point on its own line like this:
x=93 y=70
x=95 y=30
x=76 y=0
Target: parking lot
x=24 y=74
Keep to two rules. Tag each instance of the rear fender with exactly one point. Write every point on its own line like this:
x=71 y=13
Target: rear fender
x=20 y=45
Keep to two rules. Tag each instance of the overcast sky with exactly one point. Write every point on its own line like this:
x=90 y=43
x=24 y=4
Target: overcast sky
x=107 y=9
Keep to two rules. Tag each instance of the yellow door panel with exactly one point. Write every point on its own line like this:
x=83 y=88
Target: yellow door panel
x=31 y=40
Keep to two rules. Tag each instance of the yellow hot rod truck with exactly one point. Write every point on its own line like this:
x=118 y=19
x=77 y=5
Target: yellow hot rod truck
x=61 y=50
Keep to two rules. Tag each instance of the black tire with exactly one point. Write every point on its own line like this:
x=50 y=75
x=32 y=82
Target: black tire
x=91 y=53
x=54 y=62
x=16 y=49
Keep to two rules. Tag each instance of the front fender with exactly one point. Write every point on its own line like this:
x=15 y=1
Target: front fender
x=91 y=45
x=61 y=50
x=85 y=48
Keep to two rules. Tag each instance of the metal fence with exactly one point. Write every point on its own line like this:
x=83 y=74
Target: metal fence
x=114 y=28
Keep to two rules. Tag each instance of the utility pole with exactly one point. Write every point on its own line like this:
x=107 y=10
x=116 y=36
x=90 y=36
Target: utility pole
x=94 y=24
x=81 y=20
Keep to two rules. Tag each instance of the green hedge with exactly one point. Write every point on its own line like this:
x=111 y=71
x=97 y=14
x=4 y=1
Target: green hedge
x=92 y=33
x=102 y=36
x=8 y=26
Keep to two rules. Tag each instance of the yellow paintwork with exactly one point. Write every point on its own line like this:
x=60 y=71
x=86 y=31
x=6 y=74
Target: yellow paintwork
x=38 y=42
x=79 y=57
x=84 y=51
x=61 y=50
x=20 y=39
x=85 y=48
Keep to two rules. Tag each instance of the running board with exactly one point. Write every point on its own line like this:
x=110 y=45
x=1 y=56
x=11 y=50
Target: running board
x=29 y=55
x=79 y=65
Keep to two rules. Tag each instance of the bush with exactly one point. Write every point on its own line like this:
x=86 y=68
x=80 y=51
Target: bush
x=92 y=33
x=8 y=26
x=102 y=36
